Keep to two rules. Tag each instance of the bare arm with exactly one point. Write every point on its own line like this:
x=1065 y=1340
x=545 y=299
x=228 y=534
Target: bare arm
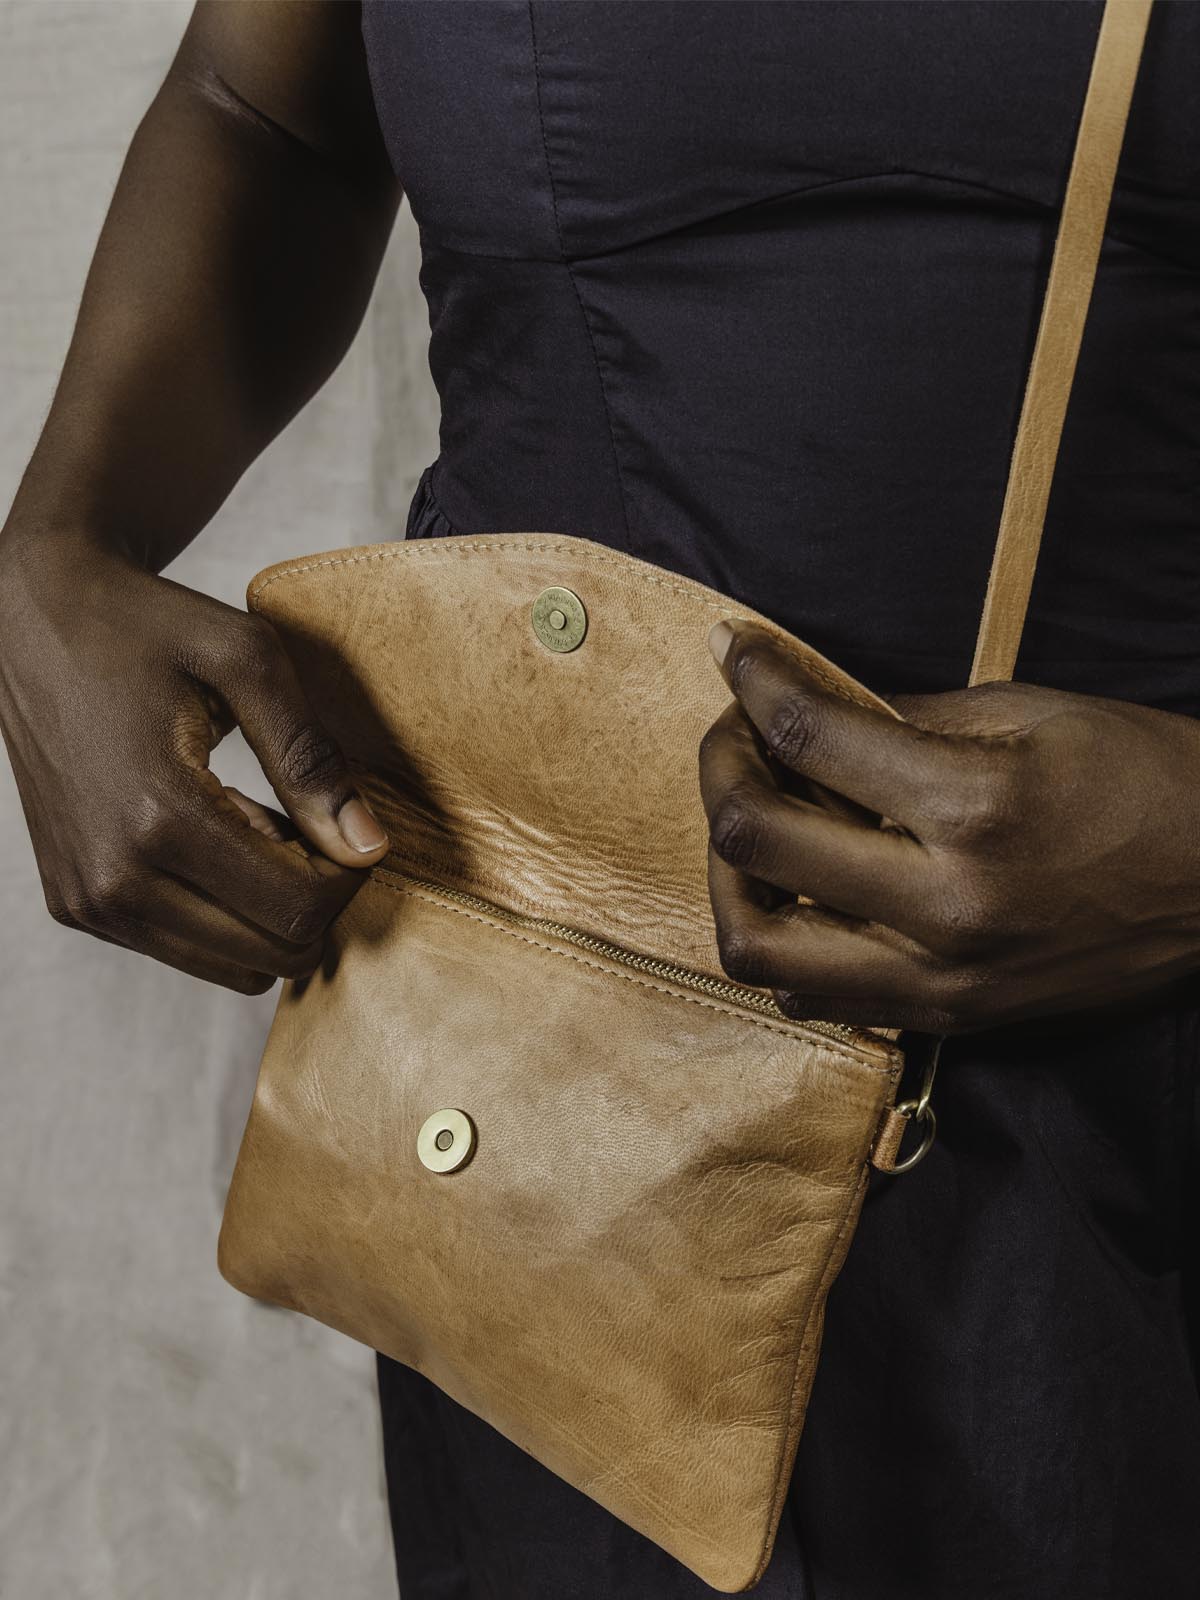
x=233 y=269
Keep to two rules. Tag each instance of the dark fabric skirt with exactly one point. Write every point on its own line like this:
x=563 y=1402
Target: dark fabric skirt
x=762 y=314
x=1006 y=1406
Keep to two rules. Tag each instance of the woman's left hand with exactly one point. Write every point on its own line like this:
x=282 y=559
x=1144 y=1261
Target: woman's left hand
x=1042 y=852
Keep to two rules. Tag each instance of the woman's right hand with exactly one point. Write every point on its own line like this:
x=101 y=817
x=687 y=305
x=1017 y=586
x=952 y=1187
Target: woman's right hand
x=115 y=685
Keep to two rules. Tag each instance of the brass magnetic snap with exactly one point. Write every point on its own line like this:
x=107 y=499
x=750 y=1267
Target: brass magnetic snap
x=446 y=1140
x=559 y=620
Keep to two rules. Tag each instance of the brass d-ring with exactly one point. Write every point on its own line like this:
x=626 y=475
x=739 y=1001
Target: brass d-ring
x=922 y=1112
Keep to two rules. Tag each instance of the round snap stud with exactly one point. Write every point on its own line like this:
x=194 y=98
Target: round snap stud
x=559 y=620
x=446 y=1140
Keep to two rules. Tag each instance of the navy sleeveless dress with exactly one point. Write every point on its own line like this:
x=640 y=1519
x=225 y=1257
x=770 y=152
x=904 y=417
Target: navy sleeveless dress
x=750 y=290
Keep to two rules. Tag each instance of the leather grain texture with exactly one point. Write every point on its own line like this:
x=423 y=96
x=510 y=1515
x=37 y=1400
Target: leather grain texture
x=565 y=786
x=628 y=1277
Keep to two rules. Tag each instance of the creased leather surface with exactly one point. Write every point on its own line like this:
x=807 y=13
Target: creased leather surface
x=625 y=1276
x=565 y=786
x=628 y=1277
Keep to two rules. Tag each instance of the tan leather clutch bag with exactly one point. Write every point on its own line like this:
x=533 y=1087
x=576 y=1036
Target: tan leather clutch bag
x=659 y=1173
x=520 y=1132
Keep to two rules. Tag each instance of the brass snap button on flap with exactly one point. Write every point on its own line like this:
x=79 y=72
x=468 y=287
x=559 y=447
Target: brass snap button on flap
x=559 y=620
x=446 y=1140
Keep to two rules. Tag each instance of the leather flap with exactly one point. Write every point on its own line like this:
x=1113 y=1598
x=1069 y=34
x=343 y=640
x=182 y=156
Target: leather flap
x=561 y=785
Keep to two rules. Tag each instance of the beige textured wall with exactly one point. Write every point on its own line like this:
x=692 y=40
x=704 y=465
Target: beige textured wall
x=162 y=1438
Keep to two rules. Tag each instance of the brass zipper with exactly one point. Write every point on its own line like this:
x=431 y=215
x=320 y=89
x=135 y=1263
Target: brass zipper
x=716 y=988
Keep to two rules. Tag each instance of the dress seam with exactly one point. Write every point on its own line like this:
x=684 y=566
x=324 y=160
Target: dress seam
x=591 y=337
x=1030 y=206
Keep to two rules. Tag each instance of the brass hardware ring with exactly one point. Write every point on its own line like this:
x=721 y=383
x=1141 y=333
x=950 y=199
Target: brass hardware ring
x=922 y=1112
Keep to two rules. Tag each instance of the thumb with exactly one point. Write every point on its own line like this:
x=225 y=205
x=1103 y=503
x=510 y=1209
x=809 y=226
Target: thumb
x=302 y=761
x=988 y=710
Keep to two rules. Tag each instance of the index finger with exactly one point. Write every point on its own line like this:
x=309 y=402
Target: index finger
x=869 y=756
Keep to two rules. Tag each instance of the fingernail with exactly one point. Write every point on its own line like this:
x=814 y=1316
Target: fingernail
x=359 y=828
x=720 y=637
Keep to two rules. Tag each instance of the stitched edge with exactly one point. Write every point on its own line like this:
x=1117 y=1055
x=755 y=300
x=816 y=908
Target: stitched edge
x=827 y=1047
x=439 y=549
x=578 y=548
x=581 y=549
x=591 y=336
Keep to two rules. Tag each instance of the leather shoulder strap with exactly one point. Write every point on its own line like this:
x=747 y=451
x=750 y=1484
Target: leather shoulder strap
x=1060 y=330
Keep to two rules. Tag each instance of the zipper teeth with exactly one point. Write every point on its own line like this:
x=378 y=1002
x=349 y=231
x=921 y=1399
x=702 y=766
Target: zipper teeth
x=716 y=988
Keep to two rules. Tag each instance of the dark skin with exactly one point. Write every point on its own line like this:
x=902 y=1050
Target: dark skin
x=233 y=269
x=1042 y=853
x=1045 y=852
